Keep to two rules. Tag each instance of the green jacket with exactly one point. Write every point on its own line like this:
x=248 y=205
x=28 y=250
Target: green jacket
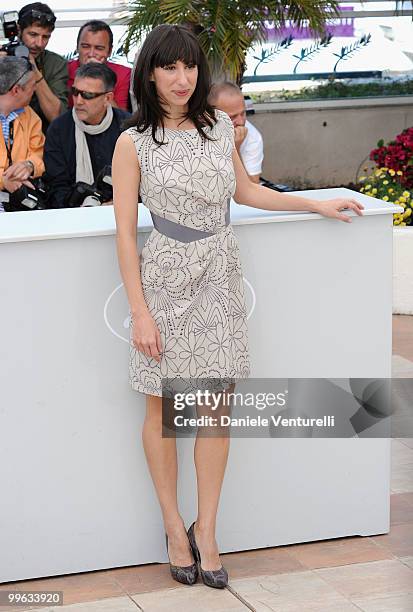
x=54 y=69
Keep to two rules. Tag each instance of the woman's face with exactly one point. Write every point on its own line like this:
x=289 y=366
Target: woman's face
x=175 y=83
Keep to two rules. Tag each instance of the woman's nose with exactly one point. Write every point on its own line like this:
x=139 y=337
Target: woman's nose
x=181 y=75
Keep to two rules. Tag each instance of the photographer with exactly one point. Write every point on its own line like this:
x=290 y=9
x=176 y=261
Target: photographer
x=80 y=143
x=94 y=44
x=36 y=23
x=22 y=139
x=228 y=97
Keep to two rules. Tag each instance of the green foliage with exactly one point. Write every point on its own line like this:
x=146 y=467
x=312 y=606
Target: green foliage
x=226 y=28
x=384 y=184
x=338 y=89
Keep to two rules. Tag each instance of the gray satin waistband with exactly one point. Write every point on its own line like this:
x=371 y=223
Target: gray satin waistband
x=182 y=233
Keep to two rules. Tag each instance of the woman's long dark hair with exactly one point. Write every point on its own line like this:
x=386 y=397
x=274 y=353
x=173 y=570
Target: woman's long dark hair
x=165 y=45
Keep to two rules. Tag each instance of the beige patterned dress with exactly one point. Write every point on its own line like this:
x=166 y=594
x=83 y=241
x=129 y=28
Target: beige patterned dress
x=190 y=267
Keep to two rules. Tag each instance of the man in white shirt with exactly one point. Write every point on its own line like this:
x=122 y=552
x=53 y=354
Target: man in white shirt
x=228 y=97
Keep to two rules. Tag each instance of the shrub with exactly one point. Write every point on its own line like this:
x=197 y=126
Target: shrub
x=397 y=155
x=385 y=184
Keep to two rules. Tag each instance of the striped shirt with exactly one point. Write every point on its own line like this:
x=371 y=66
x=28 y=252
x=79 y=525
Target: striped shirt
x=6 y=120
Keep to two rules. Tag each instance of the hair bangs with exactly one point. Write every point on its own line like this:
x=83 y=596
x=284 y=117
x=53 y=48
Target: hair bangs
x=165 y=45
x=176 y=46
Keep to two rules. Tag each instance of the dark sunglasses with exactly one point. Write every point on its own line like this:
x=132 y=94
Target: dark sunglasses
x=39 y=15
x=87 y=95
x=29 y=68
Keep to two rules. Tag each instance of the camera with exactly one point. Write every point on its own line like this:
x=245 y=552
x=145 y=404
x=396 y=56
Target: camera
x=275 y=186
x=27 y=198
x=10 y=30
x=84 y=194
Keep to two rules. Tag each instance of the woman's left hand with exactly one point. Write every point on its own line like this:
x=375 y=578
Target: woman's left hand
x=332 y=208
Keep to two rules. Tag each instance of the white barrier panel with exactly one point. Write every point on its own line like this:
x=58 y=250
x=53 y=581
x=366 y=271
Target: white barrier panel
x=75 y=490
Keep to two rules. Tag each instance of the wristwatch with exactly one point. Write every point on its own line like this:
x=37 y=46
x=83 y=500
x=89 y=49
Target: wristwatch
x=30 y=165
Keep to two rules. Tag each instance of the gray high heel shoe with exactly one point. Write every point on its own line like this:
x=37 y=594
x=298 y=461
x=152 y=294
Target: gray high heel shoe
x=187 y=574
x=218 y=579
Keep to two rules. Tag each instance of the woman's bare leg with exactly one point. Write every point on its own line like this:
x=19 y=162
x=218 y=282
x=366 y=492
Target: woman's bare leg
x=162 y=462
x=211 y=454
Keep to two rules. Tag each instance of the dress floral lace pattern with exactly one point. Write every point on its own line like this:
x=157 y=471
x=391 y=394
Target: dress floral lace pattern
x=193 y=290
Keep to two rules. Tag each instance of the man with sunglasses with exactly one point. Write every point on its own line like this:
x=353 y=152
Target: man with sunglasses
x=36 y=23
x=21 y=136
x=80 y=143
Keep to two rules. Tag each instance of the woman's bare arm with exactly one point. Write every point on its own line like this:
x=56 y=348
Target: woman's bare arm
x=258 y=196
x=126 y=180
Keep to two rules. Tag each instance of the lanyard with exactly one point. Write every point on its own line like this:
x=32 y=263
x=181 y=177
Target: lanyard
x=9 y=146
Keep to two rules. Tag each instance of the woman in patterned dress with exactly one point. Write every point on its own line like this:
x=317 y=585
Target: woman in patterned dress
x=185 y=292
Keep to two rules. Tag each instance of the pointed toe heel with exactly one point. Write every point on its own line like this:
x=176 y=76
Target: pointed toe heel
x=217 y=579
x=187 y=574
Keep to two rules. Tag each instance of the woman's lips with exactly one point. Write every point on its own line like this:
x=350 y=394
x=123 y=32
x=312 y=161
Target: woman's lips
x=182 y=93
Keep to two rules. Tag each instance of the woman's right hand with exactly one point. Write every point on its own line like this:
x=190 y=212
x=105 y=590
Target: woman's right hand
x=145 y=336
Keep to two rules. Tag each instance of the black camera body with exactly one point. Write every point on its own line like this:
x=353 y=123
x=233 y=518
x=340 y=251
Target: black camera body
x=275 y=186
x=84 y=194
x=27 y=198
x=8 y=23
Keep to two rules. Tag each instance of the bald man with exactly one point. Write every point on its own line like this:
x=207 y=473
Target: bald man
x=228 y=97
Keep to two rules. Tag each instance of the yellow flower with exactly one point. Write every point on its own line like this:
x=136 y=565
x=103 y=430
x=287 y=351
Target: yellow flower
x=377 y=172
x=406 y=194
x=403 y=223
x=402 y=199
x=361 y=190
x=374 y=191
x=399 y=173
x=384 y=169
x=390 y=190
x=362 y=178
x=368 y=186
x=392 y=172
x=407 y=213
x=386 y=198
x=385 y=182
